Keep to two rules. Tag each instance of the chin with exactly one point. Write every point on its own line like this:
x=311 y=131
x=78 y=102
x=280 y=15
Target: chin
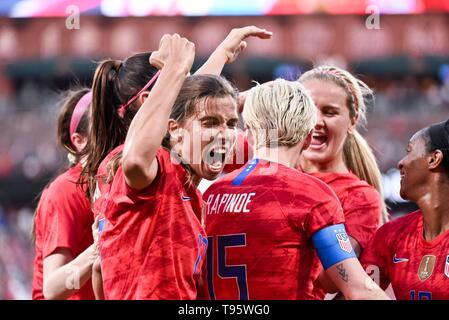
x=211 y=175
x=318 y=157
x=403 y=194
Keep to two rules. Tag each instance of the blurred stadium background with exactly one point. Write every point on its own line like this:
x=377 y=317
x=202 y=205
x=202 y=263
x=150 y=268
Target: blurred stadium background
x=406 y=61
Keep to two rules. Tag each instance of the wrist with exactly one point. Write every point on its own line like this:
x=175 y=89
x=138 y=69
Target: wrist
x=222 y=53
x=176 y=69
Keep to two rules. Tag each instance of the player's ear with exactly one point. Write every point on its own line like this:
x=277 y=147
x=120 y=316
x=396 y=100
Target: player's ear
x=143 y=96
x=307 y=141
x=434 y=160
x=78 y=141
x=175 y=131
x=353 y=124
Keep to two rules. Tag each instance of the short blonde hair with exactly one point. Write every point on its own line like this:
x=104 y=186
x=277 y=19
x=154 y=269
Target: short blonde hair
x=279 y=113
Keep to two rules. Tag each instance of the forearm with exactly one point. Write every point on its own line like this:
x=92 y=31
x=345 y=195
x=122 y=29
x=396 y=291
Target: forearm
x=97 y=283
x=354 y=283
x=69 y=278
x=150 y=123
x=215 y=63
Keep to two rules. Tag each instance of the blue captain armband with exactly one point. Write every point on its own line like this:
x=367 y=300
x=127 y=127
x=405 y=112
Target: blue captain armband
x=333 y=245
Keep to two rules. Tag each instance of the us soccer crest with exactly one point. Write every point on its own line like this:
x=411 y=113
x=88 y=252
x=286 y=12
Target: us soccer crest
x=426 y=267
x=446 y=267
x=343 y=241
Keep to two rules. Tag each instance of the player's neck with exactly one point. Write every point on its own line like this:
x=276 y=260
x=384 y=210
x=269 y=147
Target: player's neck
x=335 y=165
x=435 y=208
x=286 y=156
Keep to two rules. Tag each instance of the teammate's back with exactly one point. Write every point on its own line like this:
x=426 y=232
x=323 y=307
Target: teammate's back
x=260 y=220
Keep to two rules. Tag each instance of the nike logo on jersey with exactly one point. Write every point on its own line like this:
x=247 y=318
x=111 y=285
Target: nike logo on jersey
x=398 y=260
x=185 y=198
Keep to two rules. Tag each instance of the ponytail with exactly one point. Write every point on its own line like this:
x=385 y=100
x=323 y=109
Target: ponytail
x=357 y=154
x=360 y=160
x=115 y=83
x=107 y=129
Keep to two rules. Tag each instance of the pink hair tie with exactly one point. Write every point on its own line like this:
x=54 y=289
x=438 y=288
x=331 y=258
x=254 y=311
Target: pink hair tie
x=79 y=111
x=123 y=107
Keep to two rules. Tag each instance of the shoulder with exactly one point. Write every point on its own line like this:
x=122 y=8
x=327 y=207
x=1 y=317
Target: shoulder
x=400 y=225
x=350 y=188
x=66 y=184
x=104 y=163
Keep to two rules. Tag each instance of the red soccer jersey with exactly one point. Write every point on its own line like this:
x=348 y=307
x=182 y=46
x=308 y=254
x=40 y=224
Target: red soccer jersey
x=153 y=244
x=260 y=220
x=63 y=220
x=361 y=204
x=103 y=185
x=399 y=254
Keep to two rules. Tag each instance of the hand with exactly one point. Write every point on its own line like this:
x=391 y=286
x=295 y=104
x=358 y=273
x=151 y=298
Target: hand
x=159 y=57
x=234 y=43
x=175 y=51
x=96 y=236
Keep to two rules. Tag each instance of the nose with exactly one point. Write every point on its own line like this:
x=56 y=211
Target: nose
x=400 y=164
x=320 y=120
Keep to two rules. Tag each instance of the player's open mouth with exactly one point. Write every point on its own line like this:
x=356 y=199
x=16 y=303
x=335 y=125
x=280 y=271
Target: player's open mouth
x=215 y=158
x=319 y=141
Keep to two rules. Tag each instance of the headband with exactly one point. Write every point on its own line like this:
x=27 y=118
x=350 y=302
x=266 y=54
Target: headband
x=79 y=111
x=123 y=107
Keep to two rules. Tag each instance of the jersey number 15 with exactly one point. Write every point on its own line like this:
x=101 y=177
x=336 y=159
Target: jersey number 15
x=226 y=242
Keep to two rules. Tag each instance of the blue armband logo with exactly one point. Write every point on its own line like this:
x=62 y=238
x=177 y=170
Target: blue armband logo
x=333 y=245
x=343 y=241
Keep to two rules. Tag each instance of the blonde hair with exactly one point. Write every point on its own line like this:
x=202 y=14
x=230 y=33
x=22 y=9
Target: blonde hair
x=279 y=113
x=357 y=154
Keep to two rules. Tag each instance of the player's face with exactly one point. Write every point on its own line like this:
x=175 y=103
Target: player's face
x=212 y=131
x=333 y=123
x=413 y=168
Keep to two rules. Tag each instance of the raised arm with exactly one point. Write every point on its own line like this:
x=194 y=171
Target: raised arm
x=149 y=126
x=228 y=50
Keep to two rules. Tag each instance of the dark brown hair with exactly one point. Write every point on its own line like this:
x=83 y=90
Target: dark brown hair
x=195 y=89
x=115 y=83
x=68 y=104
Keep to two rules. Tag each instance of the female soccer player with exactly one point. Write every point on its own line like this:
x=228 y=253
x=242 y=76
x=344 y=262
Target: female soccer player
x=153 y=244
x=112 y=113
x=412 y=252
x=339 y=155
x=263 y=218
x=63 y=235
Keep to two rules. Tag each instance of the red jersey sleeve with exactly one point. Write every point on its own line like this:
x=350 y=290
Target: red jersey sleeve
x=374 y=258
x=64 y=219
x=323 y=208
x=122 y=195
x=362 y=214
x=324 y=214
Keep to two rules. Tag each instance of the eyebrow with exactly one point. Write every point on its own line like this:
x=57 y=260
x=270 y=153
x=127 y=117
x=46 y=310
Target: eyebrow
x=209 y=118
x=330 y=107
